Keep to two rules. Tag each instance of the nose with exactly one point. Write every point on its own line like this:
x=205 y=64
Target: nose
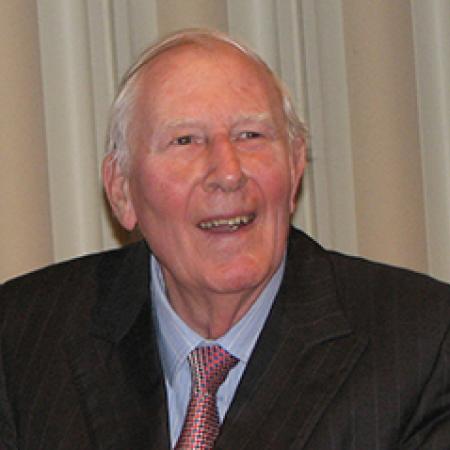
x=224 y=166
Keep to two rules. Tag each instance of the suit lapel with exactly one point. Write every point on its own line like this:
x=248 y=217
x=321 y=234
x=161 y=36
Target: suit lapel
x=116 y=366
x=304 y=354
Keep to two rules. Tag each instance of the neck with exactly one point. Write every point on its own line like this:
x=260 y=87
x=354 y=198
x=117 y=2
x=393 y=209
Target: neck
x=210 y=315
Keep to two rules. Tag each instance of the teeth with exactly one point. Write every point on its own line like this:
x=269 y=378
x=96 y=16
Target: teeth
x=234 y=223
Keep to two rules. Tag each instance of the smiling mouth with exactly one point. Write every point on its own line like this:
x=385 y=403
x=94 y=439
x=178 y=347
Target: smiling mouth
x=231 y=224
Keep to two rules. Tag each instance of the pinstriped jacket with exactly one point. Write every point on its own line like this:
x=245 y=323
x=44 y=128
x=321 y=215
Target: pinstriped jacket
x=354 y=355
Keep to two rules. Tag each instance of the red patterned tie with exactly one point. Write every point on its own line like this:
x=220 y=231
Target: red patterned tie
x=209 y=368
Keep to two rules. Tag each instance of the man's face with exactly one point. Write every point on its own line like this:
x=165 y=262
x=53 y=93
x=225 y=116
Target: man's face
x=211 y=180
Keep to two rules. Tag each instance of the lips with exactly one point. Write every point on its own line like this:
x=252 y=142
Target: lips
x=227 y=224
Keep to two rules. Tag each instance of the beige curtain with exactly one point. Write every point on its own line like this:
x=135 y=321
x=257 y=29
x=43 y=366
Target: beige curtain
x=25 y=228
x=351 y=64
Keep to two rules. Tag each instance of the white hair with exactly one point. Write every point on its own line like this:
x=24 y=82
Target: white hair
x=117 y=144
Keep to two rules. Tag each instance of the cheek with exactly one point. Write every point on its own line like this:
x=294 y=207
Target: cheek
x=275 y=182
x=158 y=192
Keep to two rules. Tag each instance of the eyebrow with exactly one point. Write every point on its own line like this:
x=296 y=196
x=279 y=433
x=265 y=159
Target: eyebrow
x=183 y=123
x=187 y=122
x=260 y=117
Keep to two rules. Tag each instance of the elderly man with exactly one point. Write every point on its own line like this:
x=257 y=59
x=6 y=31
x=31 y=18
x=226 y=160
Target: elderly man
x=224 y=328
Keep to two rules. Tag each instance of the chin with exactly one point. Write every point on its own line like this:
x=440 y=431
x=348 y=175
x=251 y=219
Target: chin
x=239 y=279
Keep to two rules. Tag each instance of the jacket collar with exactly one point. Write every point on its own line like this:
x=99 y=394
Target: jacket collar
x=122 y=292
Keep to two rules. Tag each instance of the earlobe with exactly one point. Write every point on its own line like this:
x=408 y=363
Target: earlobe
x=116 y=185
x=298 y=163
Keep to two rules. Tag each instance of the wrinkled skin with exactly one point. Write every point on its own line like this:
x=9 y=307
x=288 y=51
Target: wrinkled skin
x=209 y=145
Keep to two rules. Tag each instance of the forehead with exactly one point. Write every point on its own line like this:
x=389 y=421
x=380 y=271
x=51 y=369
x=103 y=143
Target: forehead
x=216 y=73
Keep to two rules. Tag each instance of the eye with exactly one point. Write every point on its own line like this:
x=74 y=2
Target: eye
x=183 y=140
x=243 y=135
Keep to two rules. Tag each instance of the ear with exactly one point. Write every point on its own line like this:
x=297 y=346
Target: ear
x=298 y=163
x=117 y=189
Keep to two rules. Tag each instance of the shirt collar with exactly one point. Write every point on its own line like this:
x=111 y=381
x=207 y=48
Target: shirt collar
x=176 y=340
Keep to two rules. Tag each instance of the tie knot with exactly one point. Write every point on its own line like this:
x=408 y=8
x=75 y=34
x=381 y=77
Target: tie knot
x=210 y=366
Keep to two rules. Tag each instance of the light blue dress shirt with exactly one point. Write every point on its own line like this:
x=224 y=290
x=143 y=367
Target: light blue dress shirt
x=176 y=340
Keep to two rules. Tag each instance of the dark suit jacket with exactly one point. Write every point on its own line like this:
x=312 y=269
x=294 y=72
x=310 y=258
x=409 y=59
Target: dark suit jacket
x=354 y=355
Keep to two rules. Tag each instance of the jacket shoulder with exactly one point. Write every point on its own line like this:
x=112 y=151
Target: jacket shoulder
x=368 y=289
x=386 y=301
x=362 y=274
x=80 y=266
x=64 y=282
